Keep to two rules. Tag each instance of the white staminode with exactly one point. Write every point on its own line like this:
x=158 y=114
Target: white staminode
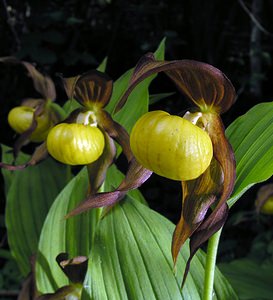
x=192 y=117
x=87 y=118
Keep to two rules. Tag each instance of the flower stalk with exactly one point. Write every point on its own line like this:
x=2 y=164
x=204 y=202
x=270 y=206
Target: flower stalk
x=210 y=265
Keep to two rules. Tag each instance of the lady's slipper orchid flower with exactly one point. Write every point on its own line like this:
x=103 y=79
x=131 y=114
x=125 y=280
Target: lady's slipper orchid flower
x=211 y=93
x=34 y=117
x=93 y=90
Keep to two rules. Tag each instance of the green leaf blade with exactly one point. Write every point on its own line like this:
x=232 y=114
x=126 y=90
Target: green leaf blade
x=30 y=195
x=243 y=275
x=251 y=136
x=131 y=259
x=73 y=236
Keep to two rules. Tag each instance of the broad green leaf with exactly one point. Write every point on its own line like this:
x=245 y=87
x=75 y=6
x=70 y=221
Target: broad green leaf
x=58 y=235
x=75 y=235
x=138 y=101
x=131 y=259
x=251 y=280
x=251 y=137
x=30 y=194
x=132 y=243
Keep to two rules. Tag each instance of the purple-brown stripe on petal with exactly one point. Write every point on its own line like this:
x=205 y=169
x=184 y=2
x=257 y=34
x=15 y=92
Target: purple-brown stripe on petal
x=203 y=84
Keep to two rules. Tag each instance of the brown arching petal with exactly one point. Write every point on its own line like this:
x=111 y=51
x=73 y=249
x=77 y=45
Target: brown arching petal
x=38 y=156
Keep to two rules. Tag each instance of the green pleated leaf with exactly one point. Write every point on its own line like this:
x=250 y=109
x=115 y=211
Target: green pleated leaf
x=130 y=255
x=138 y=101
x=30 y=194
x=74 y=235
x=131 y=259
x=251 y=137
x=243 y=276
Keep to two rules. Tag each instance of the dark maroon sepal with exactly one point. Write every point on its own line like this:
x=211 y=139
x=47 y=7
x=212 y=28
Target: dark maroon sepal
x=38 y=156
x=135 y=177
x=98 y=169
x=91 y=89
x=74 y=268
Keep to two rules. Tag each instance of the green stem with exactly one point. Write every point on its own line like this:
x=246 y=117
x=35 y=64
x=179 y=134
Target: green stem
x=100 y=209
x=210 y=265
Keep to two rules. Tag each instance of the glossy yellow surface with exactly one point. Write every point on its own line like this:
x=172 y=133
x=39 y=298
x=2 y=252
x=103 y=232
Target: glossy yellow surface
x=20 y=119
x=171 y=146
x=267 y=208
x=75 y=144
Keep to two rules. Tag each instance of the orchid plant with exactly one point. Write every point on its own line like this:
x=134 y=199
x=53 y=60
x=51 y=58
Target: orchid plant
x=108 y=244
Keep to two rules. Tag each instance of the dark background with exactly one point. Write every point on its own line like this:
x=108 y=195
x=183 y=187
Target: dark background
x=71 y=37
